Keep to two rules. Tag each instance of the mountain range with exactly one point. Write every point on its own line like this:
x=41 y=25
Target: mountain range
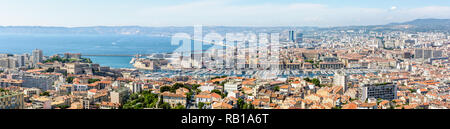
x=441 y=25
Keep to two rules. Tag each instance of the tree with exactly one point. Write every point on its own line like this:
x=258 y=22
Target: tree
x=160 y=100
x=164 y=89
x=142 y=100
x=276 y=88
x=251 y=106
x=309 y=61
x=337 y=107
x=50 y=70
x=224 y=95
x=63 y=106
x=216 y=91
x=93 y=80
x=86 y=60
x=70 y=79
x=307 y=79
x=139 y=106
x=44 y=93
x=165 y=106
x=189 y=96
x=56 y=58
x=179 y=106
x=201 y=105
x=240 y=103
x=195 y=86
x=219 y=92
x=134 y=96
x=223 y=83
x=412 y=90
x=245 y=106
x=177 y=85
x=315 y=81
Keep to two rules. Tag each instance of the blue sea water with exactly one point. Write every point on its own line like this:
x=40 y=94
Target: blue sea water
x=52 y=44
x=112 y=61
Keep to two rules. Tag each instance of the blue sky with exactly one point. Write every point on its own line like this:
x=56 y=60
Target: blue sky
x=72 y=13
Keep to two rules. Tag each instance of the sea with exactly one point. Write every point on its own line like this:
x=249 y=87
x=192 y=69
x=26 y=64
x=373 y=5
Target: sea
x=96 y=45
x=52 y=44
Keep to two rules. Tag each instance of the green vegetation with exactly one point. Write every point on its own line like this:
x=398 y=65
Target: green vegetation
x=218 y=92
x=64 y=60
x=224 y=95
x=50 y=70
x=379 y=100
x=220 y=83
x=224 y=76
x=56 y=58
x=337 y=107
x=412 y=90
x=249 y=106
x=63 y=106
x=46 y=93
x=177 y=86
x=309 y=61
x=391 y=107
x=317 y=64
x=307 y=79
x=315 y=81
x=380 y=84
x=201 y=105
x=70 y=79
x=189 y=95
x=223 y=83
x=276 y=88
x=86 y=60
x=195 y=86
x=145 y=99
x=242 y=105
x=179 y=106
x=165 y=106
x=93 y=80
x=164 y=89
x=65 y=73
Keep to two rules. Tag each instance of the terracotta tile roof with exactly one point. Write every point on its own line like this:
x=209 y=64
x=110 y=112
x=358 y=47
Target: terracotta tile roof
x=222 y=105
x=215 y=95
x=350 y=106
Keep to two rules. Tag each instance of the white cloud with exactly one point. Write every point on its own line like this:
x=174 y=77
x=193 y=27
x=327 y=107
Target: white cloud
x=393 y=7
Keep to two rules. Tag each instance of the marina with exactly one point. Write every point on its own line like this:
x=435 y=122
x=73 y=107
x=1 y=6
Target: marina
x=252 y=73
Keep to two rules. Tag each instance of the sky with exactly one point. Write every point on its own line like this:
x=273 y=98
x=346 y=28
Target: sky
x=323 y=13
